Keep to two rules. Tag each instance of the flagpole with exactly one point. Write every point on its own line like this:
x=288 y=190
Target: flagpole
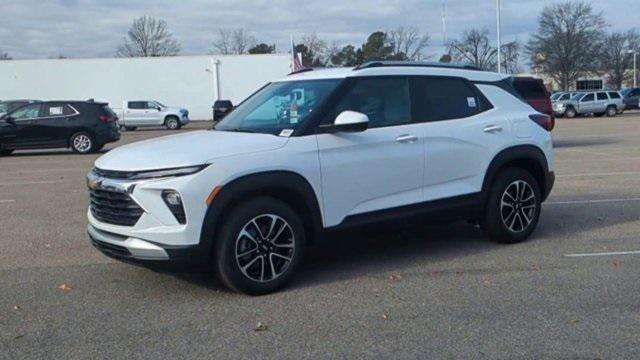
x=293 y=54
x=444 y=26
x=498 y=32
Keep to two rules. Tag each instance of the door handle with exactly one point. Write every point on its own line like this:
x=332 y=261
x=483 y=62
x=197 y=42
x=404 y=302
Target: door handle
x=407 y=139
x=493 y=128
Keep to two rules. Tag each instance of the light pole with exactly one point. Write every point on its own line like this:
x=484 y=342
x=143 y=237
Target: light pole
x=635 y=76
x=498 y=32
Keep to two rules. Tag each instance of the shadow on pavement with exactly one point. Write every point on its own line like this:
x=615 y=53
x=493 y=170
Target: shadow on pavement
x=587 y=141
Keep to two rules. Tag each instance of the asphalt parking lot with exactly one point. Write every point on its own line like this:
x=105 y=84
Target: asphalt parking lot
x=414 y=291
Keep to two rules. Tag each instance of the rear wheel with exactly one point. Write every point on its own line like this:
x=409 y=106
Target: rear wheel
x=259 y=247
x=82 y=143
x=513 y=206
x=172 y=123
x=612 y=111
x=130 y=128
x=6 y=152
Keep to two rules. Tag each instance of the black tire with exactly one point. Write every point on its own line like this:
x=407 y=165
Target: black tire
x=130 y=128
x=82 y=143
x=612 y=111
x=6 y=152
x=598 y=114
x=172 y=123
x=570 y=113
x=498 y=223
x=229 y=241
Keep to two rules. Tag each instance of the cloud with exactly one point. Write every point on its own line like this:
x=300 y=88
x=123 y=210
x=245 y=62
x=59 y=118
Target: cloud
x=95 y=28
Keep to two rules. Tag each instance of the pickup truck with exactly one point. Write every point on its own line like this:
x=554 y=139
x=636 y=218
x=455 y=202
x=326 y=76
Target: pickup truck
x=151 y=113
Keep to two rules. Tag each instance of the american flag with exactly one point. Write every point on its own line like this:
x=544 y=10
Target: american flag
x=296 y=60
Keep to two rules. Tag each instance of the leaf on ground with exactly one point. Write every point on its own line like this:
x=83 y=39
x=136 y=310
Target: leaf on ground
x=261 y=327
x=65 y=287
x=16 y=307
x=616 y=263
x=395 y=277
x=385 y=316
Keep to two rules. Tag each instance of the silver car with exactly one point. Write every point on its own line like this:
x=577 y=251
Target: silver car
x=599 y=103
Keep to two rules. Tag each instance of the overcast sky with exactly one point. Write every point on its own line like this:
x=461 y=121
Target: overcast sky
x=95 y=28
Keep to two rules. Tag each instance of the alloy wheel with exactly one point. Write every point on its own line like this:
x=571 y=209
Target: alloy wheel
x=518 y=206
x=265 y=248
x=82 y=143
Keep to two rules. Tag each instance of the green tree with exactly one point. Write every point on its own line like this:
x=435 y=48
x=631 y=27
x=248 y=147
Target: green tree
x=263 y=48
x=347 y=57
x=378 y=47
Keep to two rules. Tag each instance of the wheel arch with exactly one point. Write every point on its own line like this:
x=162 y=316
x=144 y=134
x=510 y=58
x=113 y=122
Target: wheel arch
x=527 y=157
x=287 y=186
x=80 y=130
x=169 y=116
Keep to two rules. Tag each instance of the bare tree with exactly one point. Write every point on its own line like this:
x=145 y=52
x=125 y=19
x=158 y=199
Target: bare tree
x=474 y=49
x=408 y=42
x=568 y=40
x=4 y=55
x=510 y=59
x=236 y=41
x=615 y=59
x=149 y=37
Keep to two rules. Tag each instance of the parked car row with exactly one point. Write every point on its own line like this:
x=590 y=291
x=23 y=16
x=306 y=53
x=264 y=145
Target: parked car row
x=598 y=103
x=82 y=126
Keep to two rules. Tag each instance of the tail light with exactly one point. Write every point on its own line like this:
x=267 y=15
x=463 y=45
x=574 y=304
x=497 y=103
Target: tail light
x=547 y=122
x=105 y=118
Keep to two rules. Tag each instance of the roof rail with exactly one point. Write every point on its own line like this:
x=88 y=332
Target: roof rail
x=300 y=71
x=375 y=64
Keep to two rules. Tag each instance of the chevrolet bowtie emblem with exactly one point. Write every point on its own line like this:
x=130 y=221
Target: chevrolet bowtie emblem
x=93 y=184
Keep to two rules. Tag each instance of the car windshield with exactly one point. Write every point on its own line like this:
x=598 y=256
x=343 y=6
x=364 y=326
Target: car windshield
x=577 y=96
x=624 y=92
x=4 y=108
x=159 y=103
x=278 y=107
x=556 y=96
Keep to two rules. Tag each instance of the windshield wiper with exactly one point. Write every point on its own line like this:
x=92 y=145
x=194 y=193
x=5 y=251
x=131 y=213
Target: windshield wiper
x=236 y=130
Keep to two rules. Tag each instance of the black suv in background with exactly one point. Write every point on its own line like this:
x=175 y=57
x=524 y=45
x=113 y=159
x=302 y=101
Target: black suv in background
x=83 y=126
x=631 y=98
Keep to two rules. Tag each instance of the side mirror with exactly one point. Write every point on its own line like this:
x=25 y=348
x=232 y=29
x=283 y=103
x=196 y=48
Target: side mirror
x=221 y=108
x=158 y=108
x=349 y=121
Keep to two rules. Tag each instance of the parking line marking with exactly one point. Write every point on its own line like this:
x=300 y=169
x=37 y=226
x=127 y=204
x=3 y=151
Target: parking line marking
x=602 y=174
x=6 y=201
x=31 y=182
x=593 y=201
x=612 y=253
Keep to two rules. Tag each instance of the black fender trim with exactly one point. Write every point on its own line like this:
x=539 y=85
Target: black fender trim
x=520 y=153
x=295 y=189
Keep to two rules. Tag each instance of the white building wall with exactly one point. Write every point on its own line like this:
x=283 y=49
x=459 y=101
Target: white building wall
x=186 y=81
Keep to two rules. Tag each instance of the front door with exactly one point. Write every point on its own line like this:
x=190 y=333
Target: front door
x=379 y=168
x=21 y=134
x=588 y=103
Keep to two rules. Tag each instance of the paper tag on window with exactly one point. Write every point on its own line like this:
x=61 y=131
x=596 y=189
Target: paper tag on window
x=286 y=132
x=55 y=110
x=471 y=101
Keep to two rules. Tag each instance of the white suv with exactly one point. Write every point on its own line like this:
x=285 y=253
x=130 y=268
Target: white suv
x=322 y=150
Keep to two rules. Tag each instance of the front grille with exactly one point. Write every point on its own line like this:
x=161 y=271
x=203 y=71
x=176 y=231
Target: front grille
x=110 y=249
x=114 y=208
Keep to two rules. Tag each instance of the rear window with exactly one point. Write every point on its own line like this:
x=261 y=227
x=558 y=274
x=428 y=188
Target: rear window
x=445 y=99
x=530 y=88
x=106 y=110
x=137 y=105
x=614 y=95
x=57 y=109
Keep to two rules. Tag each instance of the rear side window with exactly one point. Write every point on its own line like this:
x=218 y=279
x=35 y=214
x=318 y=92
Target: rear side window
x=530 y=88
x=137 y=105
x=614 y=95
x=602 y=96
x=57 y=109
x=444 y=99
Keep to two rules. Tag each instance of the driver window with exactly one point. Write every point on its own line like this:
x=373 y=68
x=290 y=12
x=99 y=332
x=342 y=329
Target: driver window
x=587 y=98
x=27 y=112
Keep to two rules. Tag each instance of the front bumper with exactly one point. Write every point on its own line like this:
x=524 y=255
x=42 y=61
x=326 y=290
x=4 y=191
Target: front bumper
x=145 y=253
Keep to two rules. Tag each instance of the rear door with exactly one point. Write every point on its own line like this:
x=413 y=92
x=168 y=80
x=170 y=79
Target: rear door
x=135 y=113
x=56 y=123
x=602 y=100
x=461 y=135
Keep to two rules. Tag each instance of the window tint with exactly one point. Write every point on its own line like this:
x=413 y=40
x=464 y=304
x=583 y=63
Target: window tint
x=602 y=96
x=443 y=99
x=588 y=97
x=529 y=88
x=137 y=105
x=27 y=112
x=635 y=93
x=566 y=97
x=614 y=95
x=386 y=101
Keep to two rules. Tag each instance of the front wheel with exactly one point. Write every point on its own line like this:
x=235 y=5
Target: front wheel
x=259 y=247
x=172 y=123
x=570 y=113
x=513 y=206
x=82 y=143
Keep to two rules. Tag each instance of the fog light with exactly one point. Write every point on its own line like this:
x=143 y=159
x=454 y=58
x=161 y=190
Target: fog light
x=174 y=203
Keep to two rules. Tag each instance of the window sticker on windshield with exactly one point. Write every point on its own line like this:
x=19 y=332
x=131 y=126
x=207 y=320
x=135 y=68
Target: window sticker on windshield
x=286 y=132
x=471 y=101
x=55 y=110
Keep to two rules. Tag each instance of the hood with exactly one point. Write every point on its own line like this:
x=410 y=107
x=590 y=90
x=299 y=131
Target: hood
x=173 y=109
x=187 y=149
